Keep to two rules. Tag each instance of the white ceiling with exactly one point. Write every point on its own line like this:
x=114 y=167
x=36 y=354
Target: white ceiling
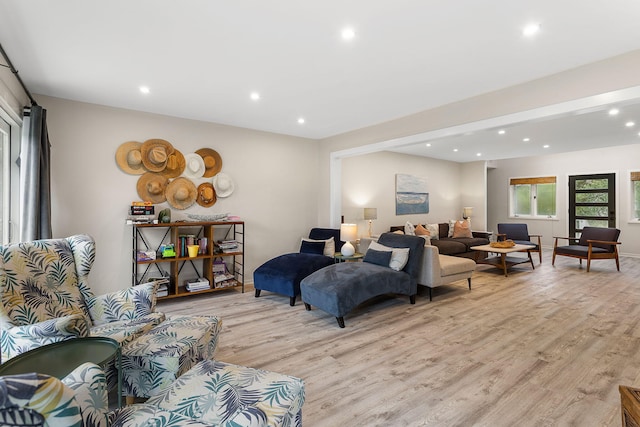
x=201 y=59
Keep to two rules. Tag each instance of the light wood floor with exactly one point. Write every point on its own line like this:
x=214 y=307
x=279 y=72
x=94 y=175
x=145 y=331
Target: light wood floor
x=543 y=347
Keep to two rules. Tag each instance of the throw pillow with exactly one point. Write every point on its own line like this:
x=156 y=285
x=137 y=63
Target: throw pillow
x=409 y=229
x=307 y=247
x=382 y=258
x=462 y=229
x=433 y=231
x=399 y=256
x=421 y=231
x=452 y=224
x=329 y=245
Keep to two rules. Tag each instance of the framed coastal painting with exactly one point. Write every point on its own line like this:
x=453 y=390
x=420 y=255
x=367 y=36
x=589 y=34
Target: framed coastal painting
x=411 y=195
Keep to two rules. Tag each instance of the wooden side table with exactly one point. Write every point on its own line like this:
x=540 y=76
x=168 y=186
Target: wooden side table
x=60 y=358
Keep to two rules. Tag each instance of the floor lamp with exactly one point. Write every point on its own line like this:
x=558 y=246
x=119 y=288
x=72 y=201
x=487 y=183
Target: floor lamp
x=370 y=214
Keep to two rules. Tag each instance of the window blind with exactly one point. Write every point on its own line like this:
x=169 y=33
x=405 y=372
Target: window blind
x=539 y=180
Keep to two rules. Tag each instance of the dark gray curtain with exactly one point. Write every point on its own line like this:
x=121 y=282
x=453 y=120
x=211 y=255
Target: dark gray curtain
x=35 y=174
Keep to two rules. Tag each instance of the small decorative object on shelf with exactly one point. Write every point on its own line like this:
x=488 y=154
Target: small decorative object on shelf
x=218 y=263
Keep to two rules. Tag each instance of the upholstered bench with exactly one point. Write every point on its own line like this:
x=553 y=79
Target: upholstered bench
x=153 y=361
x=222 y=394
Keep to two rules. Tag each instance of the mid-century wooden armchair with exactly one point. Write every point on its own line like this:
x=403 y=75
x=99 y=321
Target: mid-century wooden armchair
x=519 y=233
x=593 y=243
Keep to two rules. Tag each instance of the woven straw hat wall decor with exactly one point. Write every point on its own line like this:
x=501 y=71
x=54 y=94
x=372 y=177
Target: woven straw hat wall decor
x=168 y=175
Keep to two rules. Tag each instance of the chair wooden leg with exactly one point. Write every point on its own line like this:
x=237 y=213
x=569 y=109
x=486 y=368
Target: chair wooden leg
x=412 y=299
x=430 y=299
x=258 y=292
x=340 y=321
x=469 y=280
x=307 y=306
x=540 y=255
x=292 y=301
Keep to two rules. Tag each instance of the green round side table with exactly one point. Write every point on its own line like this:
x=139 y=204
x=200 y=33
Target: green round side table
x=60 y=358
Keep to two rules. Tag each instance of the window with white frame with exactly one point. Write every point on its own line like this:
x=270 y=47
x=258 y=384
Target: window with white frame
x=533 y=197
x=635 y=196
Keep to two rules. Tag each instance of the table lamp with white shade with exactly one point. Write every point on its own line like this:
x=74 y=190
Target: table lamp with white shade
x=370 y=214
x=348 y=233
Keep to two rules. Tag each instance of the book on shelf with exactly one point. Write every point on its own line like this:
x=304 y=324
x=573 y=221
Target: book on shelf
x=219 y=267
x=226 y=284
x=227 y=246
x=140 y=219
x=199 y=284
x=217 y=278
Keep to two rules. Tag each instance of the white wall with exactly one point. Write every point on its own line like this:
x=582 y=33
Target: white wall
x=369 y=181
x=275 y=177
x=619 y=160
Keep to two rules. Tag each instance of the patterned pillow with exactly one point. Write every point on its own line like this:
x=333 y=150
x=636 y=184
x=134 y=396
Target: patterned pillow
x=131 y=303
x=409 y=229
x=433 y=231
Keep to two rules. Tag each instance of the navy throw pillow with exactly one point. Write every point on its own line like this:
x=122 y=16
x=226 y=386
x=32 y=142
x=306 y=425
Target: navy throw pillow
x=378 y=257
x=312 y=248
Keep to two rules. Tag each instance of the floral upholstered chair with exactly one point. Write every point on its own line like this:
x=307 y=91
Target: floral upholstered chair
x=45 y=297
x=212 y=394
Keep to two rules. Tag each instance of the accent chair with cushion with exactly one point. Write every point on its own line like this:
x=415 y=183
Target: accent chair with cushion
x=283 y=273
x=390 y=266
x=211 y=394
x=593 y=243
x=45 y=297
x=519 y=233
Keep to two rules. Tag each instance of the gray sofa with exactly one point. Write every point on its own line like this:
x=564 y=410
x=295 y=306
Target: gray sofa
x=458 y=246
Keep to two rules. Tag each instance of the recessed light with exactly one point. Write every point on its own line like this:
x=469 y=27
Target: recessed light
x=502 y=132
x=255 y=96
x=545 y=146
x=526 y=139
x=455 y=150
x=145 y=90
x=428 y=144
x=301 y=120
x=531 y=29
x=478 y=154
x=630 y=124
x=348 y=34
x=613 y=111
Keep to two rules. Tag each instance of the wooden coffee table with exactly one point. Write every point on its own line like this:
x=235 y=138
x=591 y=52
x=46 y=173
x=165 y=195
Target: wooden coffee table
x=502 y=260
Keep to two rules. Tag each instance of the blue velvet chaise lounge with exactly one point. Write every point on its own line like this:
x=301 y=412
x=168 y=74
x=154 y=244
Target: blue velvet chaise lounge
x=339 y=288
x=283 y=273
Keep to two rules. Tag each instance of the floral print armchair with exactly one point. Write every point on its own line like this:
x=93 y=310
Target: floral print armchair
x=45 y=297
x=211 y=394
